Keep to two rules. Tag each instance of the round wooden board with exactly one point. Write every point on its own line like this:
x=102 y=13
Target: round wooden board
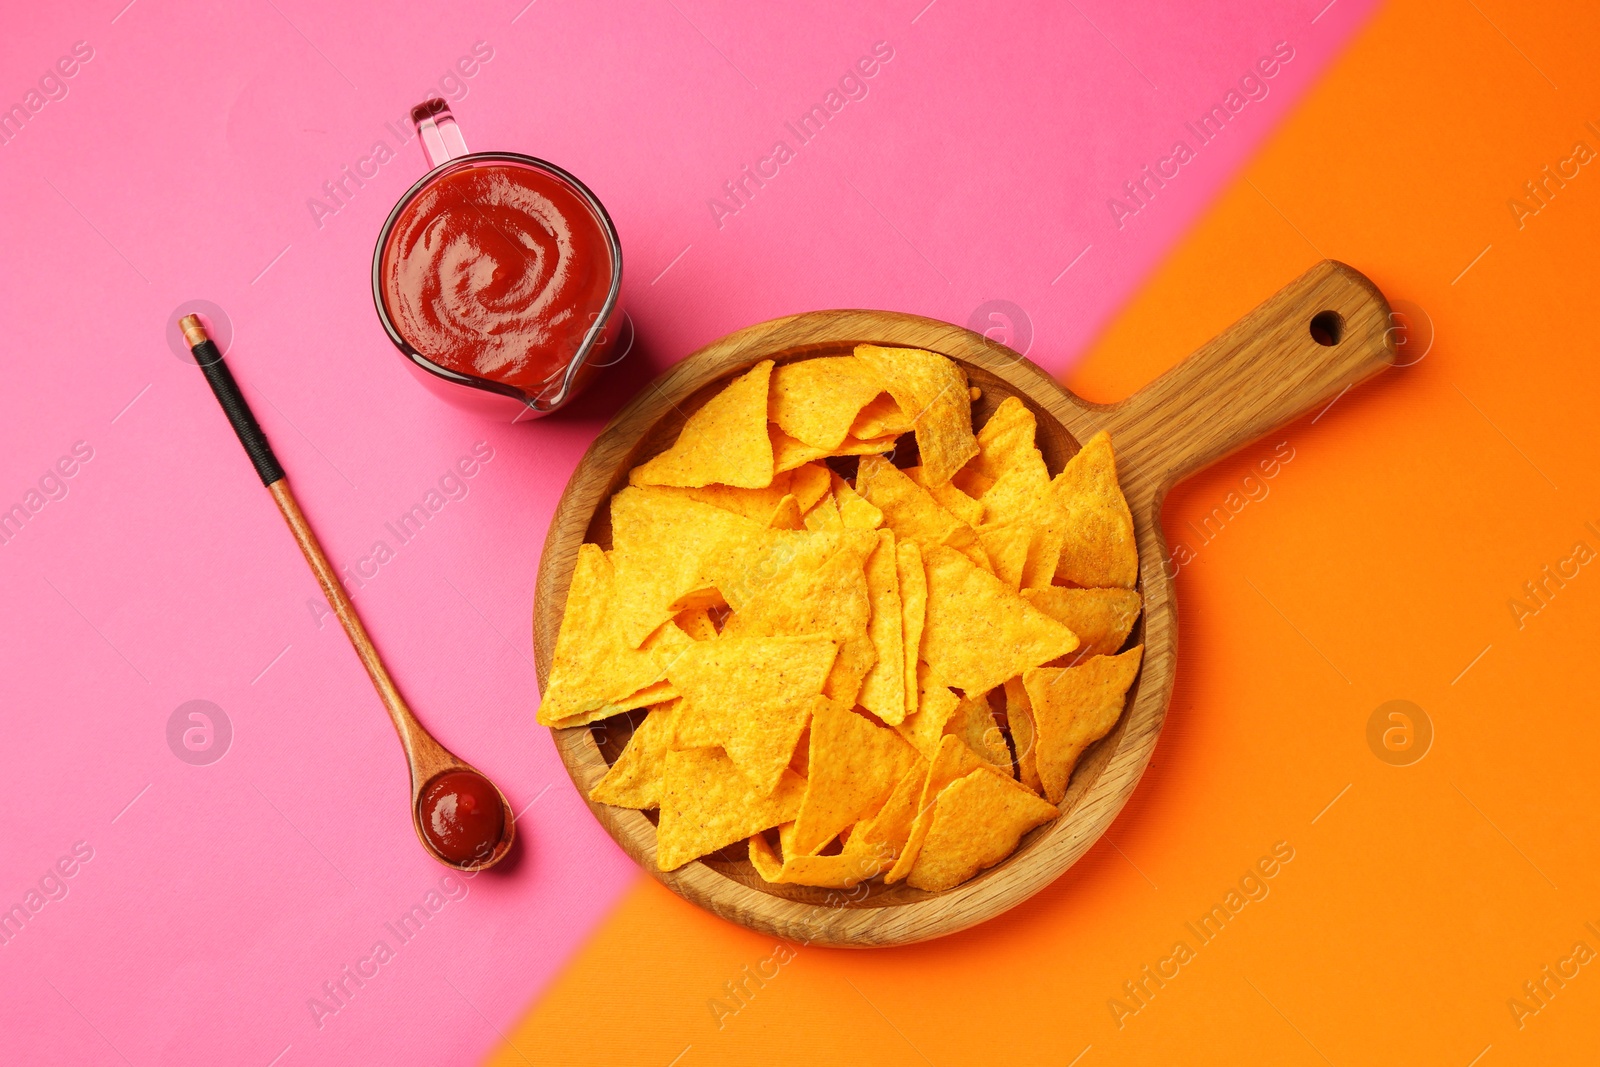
x=1201 y=399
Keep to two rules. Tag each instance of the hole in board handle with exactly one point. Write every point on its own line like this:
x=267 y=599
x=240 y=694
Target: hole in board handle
x=1327 y=328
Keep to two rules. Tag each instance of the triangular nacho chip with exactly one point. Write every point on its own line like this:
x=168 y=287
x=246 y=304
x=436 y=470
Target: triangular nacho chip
x=884 y=836
x=883 y=691
x=979 y=633
x=976 y=823
x=974 y=723
x=766 y=861
x=853 y=768
x=913 y=611
x=809 y=483
x=881 y=418
x=933 y=391
x=854 y=511
x=825 y=516
x=724 y=443
x=707 y=804
x=697 y=623
x=634 y=781
x=908 y=508
x=797 y=589
x=786 y=516
x=595 y=667
x=856 y=657
x=1073 y=707
x=1102 y=618
x=947 y=496
x=936 y=706
x=806 y=484
x=872 y=847
x=1022 y=496
x=815 y=401
x=1044 y=553
x=661 y=543
x=1019 y=717
x=1100 y=549
x=788 y=453
x=751 y=695
x=1007 y=548
x=742 y=571
x=1007 y=440
x=953 y=760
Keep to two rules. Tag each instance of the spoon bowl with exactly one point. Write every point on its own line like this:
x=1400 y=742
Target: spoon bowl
x=430 y=762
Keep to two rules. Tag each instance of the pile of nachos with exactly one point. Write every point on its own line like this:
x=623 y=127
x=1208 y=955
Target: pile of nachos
x=854 y=656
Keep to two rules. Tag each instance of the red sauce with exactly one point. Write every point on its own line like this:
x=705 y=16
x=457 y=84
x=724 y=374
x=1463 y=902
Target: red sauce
x=497 y=270
x=462 y=816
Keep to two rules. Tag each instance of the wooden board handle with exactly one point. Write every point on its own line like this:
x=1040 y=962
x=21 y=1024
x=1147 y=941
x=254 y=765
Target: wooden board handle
x=1313 y=339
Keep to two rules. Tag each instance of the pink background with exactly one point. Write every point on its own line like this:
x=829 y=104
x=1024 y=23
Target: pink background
x=179 y=166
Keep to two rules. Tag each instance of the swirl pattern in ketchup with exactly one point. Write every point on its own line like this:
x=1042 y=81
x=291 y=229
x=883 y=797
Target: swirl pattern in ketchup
x=498 y=270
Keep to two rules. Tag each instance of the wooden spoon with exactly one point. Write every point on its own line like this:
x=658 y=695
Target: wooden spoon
x=460 y=798
x=1297 y=352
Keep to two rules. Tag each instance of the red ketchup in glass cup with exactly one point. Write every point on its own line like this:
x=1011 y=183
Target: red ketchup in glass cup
x=497 y=276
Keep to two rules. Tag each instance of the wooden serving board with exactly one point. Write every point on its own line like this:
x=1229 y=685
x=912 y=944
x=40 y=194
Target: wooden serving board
x=1303 y=347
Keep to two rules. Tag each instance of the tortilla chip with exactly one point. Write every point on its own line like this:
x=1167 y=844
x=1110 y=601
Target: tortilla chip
x=661 y=543
x=854 y=511
x=883 y=691
x=853 y=768
x=1019 y=717
x=825 y=516
x=788 y=453
x=881 y=418
x=813 y=584
x=869 y=849
x=1007 y=548
x=1022 y=496
x=953 y=760
x=799 y=596
x=913 y=611
x=766 y=862
x=634 y=781
x=933 y=391
x=815 y=401
x=757 y=504
x=856 y=658
x=887 y=832
x=977 y=822
x=936 y=706
x=707 y=804
x=786 y=516
x=908 y=508
x=1100 y=549
x=725 y=442
x=947 y=496
x=1007 y=440
x=800 y=762
x=839 y=871
x=973 y=722
x=595 y=667
x=747 y=567
x=751 y=695
x=1044 y=553
x=809 y=483
x=1073 y=707
x=979 y=633
x=697 y=623
x=1102 y=618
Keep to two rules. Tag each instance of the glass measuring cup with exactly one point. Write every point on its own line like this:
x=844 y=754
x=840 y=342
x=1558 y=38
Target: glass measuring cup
x=498 y=276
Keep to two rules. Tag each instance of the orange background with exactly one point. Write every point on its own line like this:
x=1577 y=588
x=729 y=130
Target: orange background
x=1379 y=566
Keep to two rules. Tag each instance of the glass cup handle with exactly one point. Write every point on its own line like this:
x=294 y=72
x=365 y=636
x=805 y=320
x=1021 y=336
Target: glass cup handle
x=437 y=130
